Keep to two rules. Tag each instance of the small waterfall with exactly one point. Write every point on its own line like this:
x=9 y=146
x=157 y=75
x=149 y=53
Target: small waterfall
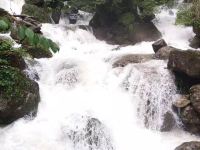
x=153 y=86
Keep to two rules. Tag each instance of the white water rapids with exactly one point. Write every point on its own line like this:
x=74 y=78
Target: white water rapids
x=88 y=105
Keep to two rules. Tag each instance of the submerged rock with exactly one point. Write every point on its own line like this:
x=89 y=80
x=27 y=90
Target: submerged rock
x=19 y=96
x=168 y=122
x=89 y=133
x=194 y=145
x=132 y=58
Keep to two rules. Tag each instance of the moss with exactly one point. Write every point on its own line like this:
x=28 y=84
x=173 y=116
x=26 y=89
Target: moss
x=12 y=83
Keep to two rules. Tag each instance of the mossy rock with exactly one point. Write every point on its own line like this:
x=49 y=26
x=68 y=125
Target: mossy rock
x=13 y=59
x=37 y=52
x=35 y=2
x=41 y=14
x=19 y=96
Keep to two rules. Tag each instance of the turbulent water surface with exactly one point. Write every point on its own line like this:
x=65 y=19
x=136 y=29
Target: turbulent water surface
x=88 y=105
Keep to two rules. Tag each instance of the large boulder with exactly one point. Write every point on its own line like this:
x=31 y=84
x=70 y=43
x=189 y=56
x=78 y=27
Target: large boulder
x=158 y=45
x=19 y=96
x=131 y=58
x=185 y=62
x=41 y=14
x=163 y=52
x=119 y=23
x=193 y=145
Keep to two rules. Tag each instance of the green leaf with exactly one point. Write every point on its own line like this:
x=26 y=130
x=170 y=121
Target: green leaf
x=44 y=43
x=21 y=32
x=54 y=47
x=36 y=39
x=3 y=25
x=30 y=35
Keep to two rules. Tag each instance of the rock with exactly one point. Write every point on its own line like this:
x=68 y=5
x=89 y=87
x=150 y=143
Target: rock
x=38 y=52
x=195 y=42
x=168 y=122
x=190 y=119
x=193 y=145
x=19 y=96
x=182 y=102
x=90 y=133
x=163 y=53
x=39 y=3
x=41 y=14
x=122 y=25
x=132 y=58
x=195 y=97
x=196 y=30
x=56 y=13
x=158 y=45
x=185 y=62
x=13 y=59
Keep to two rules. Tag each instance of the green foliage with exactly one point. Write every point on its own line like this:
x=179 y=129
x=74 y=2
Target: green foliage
x=185 y=17
x=36 y=40
x=190 y=16
x=3 y=26
x=5 y=44
x=126 y=19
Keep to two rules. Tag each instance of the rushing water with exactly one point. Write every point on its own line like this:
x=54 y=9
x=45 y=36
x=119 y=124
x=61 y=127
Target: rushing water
x=88 y=105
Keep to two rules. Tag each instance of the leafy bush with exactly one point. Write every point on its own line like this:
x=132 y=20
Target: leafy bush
x=4 y=25
x=189 y=16
x=36 y=40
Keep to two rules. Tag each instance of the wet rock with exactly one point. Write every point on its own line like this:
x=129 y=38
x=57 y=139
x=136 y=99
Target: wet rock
x=195 y=97
x=132 y=58
x=56 y=13
x=182 y=102
x=186 y=62
x=195 y=42
x=190 y=119
x=19 y=96
x=158 y=45
x=163 y=53
x=194 y=145
x=168 y=122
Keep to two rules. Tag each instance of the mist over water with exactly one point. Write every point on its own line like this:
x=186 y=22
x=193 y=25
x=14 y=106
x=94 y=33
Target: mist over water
x=88 y=105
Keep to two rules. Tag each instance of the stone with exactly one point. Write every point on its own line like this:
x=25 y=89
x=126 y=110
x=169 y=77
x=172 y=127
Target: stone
x=132 y=58
x=193 y=145
x=158 y=45
x=195 y=97
x=168 y=122
x=163 y=53
x=185 y=62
